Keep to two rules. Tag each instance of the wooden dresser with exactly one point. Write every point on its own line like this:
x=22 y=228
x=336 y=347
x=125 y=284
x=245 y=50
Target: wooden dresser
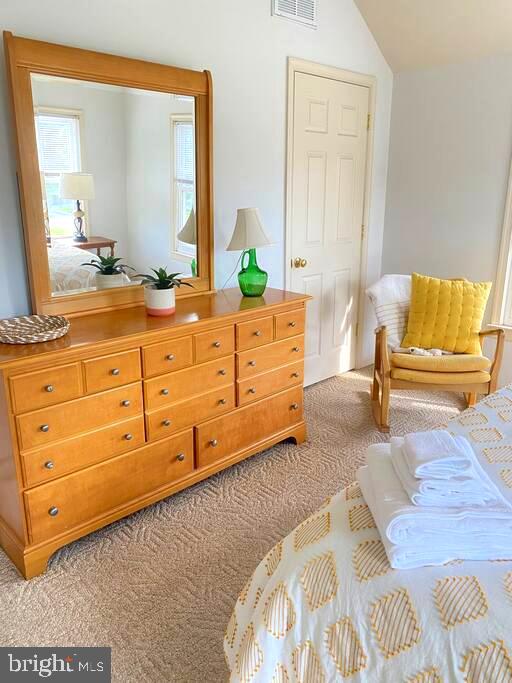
x=127 y=409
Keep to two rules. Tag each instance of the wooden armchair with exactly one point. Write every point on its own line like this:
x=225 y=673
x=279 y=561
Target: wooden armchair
x=470 y=375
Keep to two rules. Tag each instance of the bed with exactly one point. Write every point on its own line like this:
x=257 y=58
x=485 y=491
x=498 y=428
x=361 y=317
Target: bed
x=66 y=271
x=324 y=604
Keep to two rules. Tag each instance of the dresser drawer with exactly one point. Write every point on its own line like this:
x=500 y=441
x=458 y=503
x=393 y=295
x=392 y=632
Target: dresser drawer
x=67 y=456
x=268 y=357
x=289 y=324
x=41 y=427
x=226 y=436
x=254 y=333
x=259 y=386
x=214 y=344
x=177 y=386
x=167 y=356
x=175 y=417
x=45 y=387
x=63 y=504
x=111 y=371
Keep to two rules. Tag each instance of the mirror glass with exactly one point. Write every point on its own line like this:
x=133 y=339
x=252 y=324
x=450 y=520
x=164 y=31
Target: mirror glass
x=117 y=169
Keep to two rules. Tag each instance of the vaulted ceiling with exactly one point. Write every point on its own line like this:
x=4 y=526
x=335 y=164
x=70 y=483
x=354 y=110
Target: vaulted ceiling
x=414 y=34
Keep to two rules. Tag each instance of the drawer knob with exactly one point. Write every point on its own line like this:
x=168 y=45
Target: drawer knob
x=252 y=363
x=180 y=457
x=116 y=371
x=217 y=344
x=222 y=372
x=295 y=374
x=170 y=356
x=213 y=443
x=257 y=333
x=296 y=349
x=222 y=401
x=252 y=390
x=166 y=422
x=53 y=511
x=128 y=436
x=49 y=388
x=45 y=428
x=49 y=465
x=165 y=392
x=292 y=323
x=294 y=406
x=125 y=403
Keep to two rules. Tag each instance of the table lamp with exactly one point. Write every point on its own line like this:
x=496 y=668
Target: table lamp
x=77 y=186
x=247 y=235
x=188 y=234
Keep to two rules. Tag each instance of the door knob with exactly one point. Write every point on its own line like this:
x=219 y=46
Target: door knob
x=300 y=262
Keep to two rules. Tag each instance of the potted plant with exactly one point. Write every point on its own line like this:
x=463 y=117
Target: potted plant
x=111 y=273
x=159 y=294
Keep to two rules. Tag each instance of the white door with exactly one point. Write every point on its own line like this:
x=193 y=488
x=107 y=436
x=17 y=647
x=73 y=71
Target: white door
x=330 y=133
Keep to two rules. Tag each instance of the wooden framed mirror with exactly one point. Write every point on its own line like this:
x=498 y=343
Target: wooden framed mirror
x=114 y=158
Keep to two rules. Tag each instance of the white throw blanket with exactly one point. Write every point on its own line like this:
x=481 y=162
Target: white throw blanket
x=471 y=488
x=435 y=454
x=417 y=536
x=391 y=300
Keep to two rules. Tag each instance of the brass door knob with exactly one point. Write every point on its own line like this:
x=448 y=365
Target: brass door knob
x=180 y=457
x=49 y=388
x=53 y=511
x=45 y=428
x=166 y=422
x=213 y=442
x=170 y=356
x=49 y=465
x=300 y=262
x=165 y=392
x=116 y=371
x=126 y=403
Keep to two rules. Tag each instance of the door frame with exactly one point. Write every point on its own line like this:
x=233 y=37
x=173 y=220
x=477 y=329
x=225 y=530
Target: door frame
x=296 y=65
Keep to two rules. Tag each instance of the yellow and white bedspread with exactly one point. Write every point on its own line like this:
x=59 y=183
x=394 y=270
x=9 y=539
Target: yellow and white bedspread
x=324 y=604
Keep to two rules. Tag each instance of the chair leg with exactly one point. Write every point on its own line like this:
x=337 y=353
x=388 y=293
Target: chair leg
x=471 y=399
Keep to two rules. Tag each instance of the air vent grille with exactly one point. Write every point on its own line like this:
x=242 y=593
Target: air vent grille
x=303 y=11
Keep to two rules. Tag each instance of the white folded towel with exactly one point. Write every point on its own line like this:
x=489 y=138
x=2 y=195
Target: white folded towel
x=473 y=488
x=416 y=536
x=435 y=454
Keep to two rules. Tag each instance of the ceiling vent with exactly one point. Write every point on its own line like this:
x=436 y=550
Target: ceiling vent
x=302 y=11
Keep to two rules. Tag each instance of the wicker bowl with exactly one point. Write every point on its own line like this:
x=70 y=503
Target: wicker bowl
x=31 y=329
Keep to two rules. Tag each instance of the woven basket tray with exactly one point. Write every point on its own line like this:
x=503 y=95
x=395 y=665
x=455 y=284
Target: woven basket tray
x=30 y=329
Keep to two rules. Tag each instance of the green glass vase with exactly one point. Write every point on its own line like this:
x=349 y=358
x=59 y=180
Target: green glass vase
x=251 y=278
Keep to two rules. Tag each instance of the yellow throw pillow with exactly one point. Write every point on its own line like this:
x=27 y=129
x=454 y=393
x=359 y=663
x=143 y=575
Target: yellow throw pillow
x=446 y=314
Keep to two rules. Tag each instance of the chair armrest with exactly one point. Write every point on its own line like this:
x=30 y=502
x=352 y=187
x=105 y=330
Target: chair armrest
x=381 y=349
x=498 y=351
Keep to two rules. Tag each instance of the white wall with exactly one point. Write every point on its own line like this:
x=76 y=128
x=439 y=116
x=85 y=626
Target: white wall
x=450 y=151
x=246 y=49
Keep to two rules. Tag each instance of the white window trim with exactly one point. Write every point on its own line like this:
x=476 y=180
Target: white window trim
x=177 y=255
x=502 y=299
x=79 y=114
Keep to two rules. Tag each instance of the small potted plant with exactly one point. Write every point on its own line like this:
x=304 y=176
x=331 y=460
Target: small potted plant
x=111 y=273
x=159 y=294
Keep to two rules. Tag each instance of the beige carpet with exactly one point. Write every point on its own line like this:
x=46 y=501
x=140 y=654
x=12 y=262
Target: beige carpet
x=159 y=586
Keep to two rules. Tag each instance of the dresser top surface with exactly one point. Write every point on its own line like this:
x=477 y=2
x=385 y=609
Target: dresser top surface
x=119 y=324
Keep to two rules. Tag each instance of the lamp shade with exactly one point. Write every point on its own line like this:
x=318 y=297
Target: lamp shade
x=188 y=232
x=76 y=186
x=248 y=232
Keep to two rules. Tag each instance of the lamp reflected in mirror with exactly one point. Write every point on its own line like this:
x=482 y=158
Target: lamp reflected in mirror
x=188 y=235
x=79 y=187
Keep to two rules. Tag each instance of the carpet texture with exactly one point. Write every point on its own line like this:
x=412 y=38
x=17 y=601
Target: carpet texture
x=159 y=586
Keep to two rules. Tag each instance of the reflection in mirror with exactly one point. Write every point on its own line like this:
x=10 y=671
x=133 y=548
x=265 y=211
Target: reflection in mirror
x=117 y=168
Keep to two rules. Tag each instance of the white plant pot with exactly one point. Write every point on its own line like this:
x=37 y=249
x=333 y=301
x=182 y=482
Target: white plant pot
x=109 y=281
x=159 y=301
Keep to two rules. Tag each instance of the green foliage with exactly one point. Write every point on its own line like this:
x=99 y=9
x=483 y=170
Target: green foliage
x=108 y=265
x=163 y=280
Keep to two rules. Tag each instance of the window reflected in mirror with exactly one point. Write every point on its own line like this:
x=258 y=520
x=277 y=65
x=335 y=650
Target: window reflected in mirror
x=117 y=170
